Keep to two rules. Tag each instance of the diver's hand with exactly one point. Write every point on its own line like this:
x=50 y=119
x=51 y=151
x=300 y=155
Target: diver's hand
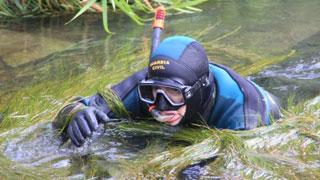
x=84 y=123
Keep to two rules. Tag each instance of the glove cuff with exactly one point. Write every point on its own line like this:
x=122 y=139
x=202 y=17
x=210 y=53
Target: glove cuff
x=65 y=115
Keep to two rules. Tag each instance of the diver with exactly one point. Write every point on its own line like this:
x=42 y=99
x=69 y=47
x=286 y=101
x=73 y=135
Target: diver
x=179 y=86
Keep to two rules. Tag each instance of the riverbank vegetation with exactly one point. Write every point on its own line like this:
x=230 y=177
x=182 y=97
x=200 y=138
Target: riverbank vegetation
x=132 y=8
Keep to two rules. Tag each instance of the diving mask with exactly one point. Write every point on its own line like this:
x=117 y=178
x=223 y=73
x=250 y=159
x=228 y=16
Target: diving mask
x=174 y=91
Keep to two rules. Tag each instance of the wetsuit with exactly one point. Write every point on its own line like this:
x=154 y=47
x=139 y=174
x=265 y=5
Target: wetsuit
x=237 y=103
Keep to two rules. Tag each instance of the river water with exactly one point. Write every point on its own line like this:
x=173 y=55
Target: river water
x=44 y=62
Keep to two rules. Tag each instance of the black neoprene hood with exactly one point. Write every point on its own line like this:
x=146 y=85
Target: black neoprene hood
x=184 y=60
x=181 y=58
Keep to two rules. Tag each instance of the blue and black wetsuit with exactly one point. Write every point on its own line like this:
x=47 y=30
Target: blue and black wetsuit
x=238 y=103
x=222 y=97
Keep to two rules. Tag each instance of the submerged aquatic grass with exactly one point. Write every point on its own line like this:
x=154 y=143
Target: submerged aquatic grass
x=251 y=63
x=40 y=102
x=288 y=149
x=22 y=172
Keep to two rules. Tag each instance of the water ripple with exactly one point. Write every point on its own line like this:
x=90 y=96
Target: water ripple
x=304 y=68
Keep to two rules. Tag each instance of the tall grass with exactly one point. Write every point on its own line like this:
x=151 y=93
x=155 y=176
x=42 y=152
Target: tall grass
x=32 y=8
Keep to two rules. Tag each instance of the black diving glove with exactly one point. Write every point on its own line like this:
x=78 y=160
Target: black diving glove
x=84 y=123
x=77 y=121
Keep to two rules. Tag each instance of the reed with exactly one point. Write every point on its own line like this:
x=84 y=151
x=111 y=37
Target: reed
x=134 y=9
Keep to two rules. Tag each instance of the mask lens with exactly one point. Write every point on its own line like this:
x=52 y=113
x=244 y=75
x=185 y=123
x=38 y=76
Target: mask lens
x=149 y=93
x=146 y=93
x=174 y=94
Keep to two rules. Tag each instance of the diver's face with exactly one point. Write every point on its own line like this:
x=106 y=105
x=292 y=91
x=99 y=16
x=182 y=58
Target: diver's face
x=171 y=117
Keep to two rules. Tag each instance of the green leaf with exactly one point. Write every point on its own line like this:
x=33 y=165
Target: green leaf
x=86 y=7
x=18 y=5
x=105 y=16
x=128 y=10
x=183 y=10
x=193 y=8
x=113 y=5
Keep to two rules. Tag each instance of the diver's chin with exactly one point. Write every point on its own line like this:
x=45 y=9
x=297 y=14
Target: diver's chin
x=171 y=118
x=175 y=120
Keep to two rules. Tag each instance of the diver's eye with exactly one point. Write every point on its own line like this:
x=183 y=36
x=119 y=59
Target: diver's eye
x=172 y=91
x=174 y=94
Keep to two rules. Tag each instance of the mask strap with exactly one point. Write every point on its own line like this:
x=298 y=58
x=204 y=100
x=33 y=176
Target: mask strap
x=203 y=81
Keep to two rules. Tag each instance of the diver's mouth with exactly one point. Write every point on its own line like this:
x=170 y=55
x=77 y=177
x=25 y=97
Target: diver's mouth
x=168 y=117
x=162 y=117
x=168 y=113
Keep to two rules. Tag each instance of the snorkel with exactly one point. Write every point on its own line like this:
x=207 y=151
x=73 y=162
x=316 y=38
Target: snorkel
x=158 y=27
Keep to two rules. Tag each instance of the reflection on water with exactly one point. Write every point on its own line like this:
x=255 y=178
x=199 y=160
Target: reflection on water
x=300 y=70
x=81 y=58
x=35 y=50
x=39 y=144
x=26 y=47
x=300 y=76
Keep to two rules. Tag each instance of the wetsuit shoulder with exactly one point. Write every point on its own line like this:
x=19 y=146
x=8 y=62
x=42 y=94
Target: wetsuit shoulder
x=239 y=103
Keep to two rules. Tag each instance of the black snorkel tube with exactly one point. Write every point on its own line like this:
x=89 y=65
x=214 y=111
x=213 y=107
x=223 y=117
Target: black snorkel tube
x=158 y=27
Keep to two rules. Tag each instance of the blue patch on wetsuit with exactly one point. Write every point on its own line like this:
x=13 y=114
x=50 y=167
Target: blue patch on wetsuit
x=173 y=50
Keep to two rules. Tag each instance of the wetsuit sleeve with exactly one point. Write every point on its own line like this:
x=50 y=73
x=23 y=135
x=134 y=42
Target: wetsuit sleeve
x=272 y=104
x=127 y=91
